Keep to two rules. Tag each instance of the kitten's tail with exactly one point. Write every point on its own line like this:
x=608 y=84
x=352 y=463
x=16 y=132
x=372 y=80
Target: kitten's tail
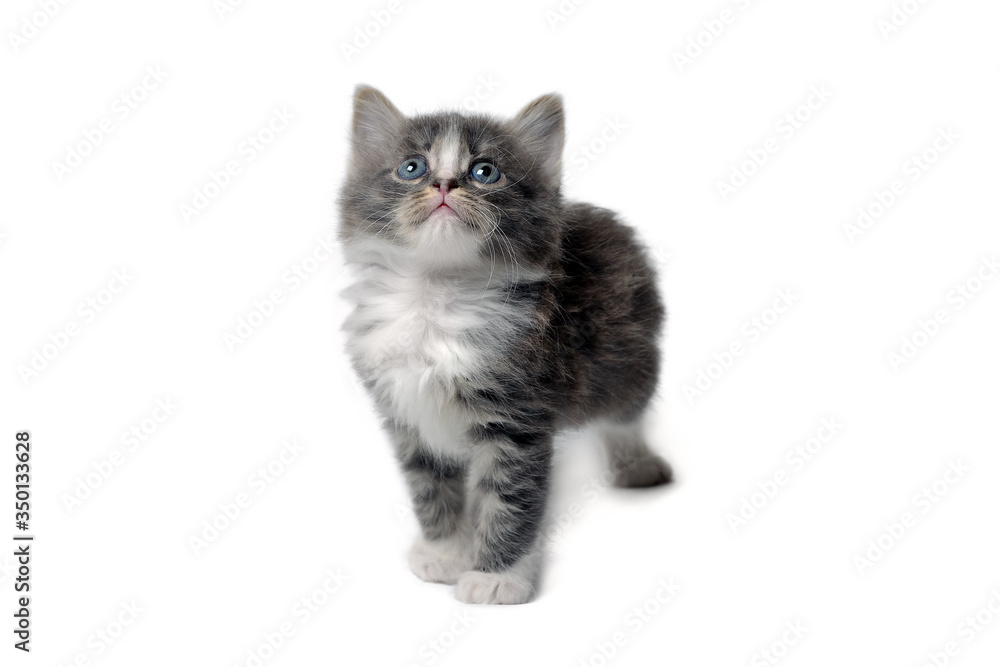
x=631 y=460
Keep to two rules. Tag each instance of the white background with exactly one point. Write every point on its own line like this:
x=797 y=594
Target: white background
x=677 y=131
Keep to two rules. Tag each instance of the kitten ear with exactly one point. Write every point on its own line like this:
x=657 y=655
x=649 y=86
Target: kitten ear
x=541 y=127
x=375 y=118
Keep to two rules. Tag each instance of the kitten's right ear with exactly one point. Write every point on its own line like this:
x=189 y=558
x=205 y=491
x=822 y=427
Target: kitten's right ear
x=542 y=128
x=375 y=117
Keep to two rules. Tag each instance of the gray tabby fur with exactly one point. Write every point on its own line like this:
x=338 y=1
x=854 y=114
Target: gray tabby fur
x=482 y=330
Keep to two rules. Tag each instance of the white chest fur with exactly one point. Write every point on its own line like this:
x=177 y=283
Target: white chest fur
x=418 y=336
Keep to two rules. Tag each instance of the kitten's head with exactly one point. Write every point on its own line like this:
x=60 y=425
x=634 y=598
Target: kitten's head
x=452 y=190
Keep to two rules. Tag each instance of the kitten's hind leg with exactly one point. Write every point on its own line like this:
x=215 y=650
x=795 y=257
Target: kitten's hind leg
x=437 y=487
x=633 y=463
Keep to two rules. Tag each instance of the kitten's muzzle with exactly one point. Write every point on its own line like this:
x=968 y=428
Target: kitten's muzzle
x=445 y=184
x=443 y=187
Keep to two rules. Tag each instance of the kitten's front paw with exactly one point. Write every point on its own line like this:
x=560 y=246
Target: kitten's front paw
x=440 y=561
x=476 y=587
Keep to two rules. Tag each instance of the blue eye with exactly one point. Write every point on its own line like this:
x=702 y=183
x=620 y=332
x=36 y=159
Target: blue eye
x=484 y=172
x=411 y=169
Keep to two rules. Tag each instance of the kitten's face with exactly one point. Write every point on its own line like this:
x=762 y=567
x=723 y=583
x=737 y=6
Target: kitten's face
x=453 y=190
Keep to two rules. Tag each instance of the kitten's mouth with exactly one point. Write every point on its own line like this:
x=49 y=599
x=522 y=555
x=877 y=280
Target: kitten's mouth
x=443 y=210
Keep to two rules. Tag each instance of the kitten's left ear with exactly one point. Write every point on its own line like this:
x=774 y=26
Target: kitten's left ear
x=375 y=118
x=542 y=128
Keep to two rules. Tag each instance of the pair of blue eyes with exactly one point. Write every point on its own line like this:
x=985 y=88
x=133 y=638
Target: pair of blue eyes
x=415 y=167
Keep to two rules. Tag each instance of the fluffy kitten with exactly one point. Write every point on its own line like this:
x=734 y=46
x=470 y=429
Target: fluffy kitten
x=489 y=314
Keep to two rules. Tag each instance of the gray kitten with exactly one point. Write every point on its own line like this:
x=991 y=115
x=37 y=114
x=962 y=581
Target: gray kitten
x=490 y=313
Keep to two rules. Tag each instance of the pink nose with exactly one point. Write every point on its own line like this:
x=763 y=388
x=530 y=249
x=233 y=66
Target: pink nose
x=445 y=184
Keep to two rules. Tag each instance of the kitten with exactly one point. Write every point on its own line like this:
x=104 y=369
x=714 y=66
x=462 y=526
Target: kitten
x=490 y=313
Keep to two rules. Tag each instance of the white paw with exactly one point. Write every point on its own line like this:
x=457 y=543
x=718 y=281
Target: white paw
x=440 y=561
x=476 y=587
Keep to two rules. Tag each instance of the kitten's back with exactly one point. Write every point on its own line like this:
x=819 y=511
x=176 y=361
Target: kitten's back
x=610 y=315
